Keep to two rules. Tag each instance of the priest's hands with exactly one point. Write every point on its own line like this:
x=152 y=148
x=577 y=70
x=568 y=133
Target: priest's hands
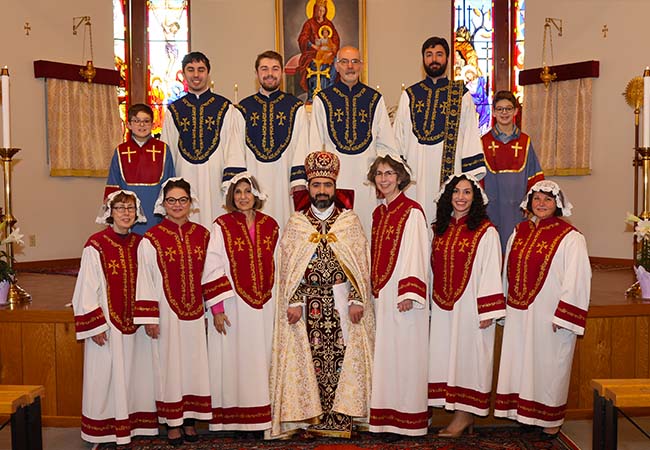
x=152 y=330
x=294 y=313
x=355 y=312
x=100 y=339
x=405 y=305
x=220 y=322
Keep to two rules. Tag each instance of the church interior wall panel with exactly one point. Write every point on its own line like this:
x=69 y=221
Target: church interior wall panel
x=11 y=354
x=39 y=362
x=623 y=347
x=595 y=356
x=69 y=370
x=642 y=348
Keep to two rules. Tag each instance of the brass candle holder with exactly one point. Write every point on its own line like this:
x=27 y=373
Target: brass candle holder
x=16 y=294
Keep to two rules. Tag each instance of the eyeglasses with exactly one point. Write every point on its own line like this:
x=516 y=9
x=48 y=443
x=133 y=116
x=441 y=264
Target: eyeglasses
x=141 y=121
x=388 y=173
x=506 y=109
x=172 y=201
x=346 y=61
x=123 y=209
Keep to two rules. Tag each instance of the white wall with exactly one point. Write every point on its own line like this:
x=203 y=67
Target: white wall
x=61 y=211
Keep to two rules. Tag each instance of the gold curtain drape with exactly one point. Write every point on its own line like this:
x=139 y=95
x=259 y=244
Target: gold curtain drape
x=558 y=120
x=83 y=127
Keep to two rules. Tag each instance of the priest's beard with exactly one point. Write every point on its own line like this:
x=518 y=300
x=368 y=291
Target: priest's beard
x=435 y=70
x=322 y=201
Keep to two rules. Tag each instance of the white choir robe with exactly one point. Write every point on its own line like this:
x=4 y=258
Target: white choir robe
x=180 y=354
x=240 y=360
x=205 y=179
x=354 y=168
x=460 y=353
x=535 y=361
x=274 y=178
x=425 y=160
x=399 y=373
x=117 y=378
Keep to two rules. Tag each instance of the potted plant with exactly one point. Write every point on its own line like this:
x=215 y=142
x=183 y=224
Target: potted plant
x=642 y=257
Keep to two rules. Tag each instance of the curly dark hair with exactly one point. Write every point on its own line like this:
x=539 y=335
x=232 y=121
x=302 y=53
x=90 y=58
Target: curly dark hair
x=477 y=212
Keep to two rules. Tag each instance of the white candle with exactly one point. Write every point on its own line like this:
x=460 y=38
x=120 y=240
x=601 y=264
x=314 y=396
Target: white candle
x=646 y=107
x=6 y=130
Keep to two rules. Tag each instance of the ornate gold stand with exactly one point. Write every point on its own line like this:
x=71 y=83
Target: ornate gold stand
x=17 y=294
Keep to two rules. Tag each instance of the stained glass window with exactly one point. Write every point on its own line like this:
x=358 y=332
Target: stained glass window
x=119 y=48
x=168 y=43
x=165 y=27
x=474 y=48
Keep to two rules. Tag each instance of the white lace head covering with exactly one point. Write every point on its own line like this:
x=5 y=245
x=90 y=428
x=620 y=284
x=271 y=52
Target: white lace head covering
x=105 y=210
x=159 y=208
x=246 y=176
x=552 y=188
x=471 y=178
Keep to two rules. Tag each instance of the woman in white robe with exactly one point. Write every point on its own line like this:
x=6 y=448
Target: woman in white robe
x=399 y=274
x=237 y=284
x=118 y=399
x=467 y=298
x=548 y=281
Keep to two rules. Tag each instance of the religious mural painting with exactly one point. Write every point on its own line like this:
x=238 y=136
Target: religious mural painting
x=167 y=40
x=474 y=51
x=309 y=33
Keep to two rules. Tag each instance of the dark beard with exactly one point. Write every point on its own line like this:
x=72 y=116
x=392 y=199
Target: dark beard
x=267 y=86
x=435 y=73
x=322 y=203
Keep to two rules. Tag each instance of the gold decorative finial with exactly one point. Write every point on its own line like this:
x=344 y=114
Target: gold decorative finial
x=634 y=92
x=88 y=72
x=546 y=76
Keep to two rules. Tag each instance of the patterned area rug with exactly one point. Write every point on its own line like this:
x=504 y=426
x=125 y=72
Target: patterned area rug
x=484 y=438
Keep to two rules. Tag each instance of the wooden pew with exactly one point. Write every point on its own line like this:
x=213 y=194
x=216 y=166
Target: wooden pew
x=610 y=394
x=23 y=404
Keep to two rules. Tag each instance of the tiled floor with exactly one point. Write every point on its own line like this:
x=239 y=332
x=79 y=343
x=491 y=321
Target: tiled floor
x=629 y=438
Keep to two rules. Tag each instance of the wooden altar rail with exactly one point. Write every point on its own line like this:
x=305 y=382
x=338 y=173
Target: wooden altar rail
x=38 y=346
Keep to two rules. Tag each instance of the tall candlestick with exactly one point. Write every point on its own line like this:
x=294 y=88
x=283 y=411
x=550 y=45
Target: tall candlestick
x=646 y=107
x=6 y=129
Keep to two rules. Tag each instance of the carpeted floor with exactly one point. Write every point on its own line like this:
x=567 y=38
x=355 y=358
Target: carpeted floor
x=484 y=438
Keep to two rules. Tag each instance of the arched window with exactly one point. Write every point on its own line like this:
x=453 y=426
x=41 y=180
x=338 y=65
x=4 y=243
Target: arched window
x=488 y=50
x=150 y=39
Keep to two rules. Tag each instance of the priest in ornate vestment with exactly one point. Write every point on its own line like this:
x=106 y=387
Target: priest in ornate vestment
x=324 y=325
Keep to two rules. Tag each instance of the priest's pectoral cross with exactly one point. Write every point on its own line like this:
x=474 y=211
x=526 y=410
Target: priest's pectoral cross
x=493 y=146
x=339 y=115
x=463 y=245
x=153 y=152
x=169 y=253
x=419 y=105
x=541 y=246
x=267 y=242
x=113 y=265
x=363 y=116
x=185 y=123
x=239 y=242
x=198 y=251
x=255 y=118
x=128 y=153
x=281 y=117
x=210 y=122
x=516 y=148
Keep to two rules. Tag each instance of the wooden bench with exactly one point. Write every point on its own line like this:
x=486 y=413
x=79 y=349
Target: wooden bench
x=23 y=404
x=610 y=394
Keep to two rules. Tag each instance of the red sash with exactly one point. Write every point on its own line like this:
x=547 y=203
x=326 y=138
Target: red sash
x=180 y=254
x=387 y=227
x=503 y=158
x=452 y=259
x=142 y=165
x=251 y=263
x=530 y=258
x=119 y=259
